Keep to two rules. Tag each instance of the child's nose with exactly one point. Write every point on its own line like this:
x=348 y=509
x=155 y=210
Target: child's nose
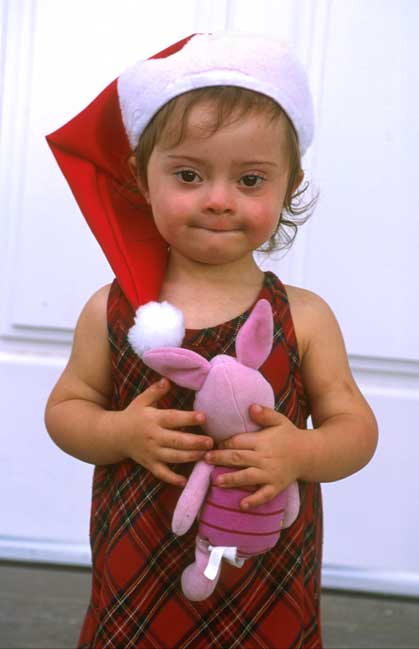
x=219 y=198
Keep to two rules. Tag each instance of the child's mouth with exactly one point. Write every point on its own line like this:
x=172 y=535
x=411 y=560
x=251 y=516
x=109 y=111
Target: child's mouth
x=218 y=228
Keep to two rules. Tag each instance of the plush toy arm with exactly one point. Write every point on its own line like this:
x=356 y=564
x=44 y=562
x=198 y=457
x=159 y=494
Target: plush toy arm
x=293 y=505
x=191 y=498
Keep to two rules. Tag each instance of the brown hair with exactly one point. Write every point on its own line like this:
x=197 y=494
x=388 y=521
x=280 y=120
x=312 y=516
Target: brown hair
x=232 y=104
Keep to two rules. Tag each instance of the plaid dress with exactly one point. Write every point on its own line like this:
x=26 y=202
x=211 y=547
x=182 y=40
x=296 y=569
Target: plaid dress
x=136 y=601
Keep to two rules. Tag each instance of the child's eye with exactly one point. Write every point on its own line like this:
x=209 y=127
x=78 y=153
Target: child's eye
x=188 y=176
x=251 y=180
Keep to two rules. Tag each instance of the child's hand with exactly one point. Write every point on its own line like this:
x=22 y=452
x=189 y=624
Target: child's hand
x=153 y=437
x=271 y=457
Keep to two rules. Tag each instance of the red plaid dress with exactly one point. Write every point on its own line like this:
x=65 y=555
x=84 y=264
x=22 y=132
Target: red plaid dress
x=270 y=603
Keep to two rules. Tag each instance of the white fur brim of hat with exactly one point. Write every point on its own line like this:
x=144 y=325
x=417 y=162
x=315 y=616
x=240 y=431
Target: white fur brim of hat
x=255 y=62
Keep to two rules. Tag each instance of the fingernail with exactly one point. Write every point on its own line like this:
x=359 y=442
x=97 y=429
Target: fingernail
x=200 y=417
x=162 y=383
x=257 y=409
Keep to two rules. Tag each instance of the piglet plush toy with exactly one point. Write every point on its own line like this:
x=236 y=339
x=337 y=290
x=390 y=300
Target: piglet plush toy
x=225 y=389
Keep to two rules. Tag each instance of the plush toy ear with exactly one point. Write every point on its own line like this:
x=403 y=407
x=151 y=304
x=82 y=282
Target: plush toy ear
x=254 y=340
x=183 y=366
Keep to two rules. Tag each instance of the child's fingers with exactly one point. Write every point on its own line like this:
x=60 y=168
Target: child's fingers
x=234 y=458
x=180 y=418
x=259 y=497
x=162 y=472
x=181 y=441
x=243 y=441
x=240 y=479
x=266 y=416
x=153 y=393
x=172 y=456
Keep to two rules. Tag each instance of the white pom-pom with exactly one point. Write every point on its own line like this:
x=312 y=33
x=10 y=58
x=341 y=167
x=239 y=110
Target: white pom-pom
x=156 y=324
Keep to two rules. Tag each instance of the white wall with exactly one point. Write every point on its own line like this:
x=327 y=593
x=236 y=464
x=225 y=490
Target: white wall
x=358 y=251
x=361 y=255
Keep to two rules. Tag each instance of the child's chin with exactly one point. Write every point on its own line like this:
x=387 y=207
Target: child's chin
x=214 y=256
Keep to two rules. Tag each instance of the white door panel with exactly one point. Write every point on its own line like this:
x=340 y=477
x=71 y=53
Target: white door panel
x=45 y=493
x=362 y=246
x=366 y=513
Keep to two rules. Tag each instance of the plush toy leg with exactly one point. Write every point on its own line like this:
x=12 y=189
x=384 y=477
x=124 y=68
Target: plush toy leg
x=195 y=585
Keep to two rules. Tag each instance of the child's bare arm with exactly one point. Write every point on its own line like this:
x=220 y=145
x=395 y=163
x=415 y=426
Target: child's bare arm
x=345 y=431
x=79 y=420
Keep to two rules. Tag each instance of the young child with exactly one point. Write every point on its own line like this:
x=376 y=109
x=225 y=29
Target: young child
x=212 y=130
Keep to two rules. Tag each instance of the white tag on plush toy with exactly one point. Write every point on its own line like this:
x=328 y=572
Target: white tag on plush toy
x=216 y=556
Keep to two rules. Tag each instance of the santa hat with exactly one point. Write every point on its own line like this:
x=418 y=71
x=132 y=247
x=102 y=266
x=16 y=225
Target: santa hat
x=93 y=149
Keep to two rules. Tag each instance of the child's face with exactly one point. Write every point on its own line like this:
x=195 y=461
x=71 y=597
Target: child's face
x=217 y=198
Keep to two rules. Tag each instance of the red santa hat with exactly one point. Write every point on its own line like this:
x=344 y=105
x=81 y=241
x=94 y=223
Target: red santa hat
x=93 y=149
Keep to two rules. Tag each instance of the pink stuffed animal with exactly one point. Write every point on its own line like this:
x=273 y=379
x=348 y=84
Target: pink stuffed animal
x=225 y=389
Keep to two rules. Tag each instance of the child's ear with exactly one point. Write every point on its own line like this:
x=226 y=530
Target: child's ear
x=132 y=164
x=298 y=181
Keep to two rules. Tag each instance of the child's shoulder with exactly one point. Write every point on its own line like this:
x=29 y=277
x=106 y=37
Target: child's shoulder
x=97 y=302
x=312 y=316
x=302 y=298
x=88 y=374
x=93 y=314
